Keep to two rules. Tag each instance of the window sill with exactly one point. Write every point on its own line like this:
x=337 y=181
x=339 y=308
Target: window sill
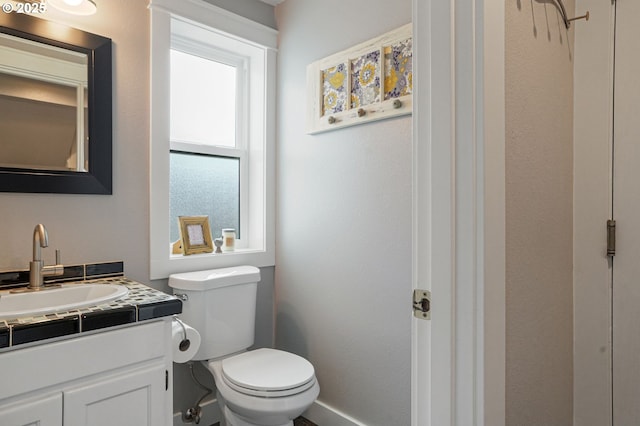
x=175 y=263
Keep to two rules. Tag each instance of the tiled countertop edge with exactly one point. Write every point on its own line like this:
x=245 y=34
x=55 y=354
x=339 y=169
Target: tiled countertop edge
x=141 y=304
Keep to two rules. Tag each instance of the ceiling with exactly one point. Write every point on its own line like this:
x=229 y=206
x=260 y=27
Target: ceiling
x=272 y=2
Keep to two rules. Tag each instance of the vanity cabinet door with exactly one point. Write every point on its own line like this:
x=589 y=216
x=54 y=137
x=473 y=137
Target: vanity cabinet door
x=132 y=398
x=45 y=411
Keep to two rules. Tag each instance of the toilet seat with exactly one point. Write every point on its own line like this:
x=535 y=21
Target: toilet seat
x=268 y=373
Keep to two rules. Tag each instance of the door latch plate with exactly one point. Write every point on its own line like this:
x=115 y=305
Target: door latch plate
x=422 y=304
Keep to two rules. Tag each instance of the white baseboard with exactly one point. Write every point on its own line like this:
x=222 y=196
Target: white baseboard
x=319 y=413
x=210 y=415
x=325 y=415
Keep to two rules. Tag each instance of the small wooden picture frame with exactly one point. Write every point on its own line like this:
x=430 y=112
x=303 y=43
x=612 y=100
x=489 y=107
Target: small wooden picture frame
x=195 y=234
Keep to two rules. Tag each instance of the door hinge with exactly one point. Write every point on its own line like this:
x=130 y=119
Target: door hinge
x=166 y=380
x=611 y=237
x=422 y=304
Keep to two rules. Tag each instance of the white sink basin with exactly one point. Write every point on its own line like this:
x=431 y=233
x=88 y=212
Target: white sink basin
x=69 y=296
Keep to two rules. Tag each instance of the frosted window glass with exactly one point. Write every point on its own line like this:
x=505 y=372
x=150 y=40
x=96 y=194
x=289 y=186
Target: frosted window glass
x=203 y=100
x=204 y=185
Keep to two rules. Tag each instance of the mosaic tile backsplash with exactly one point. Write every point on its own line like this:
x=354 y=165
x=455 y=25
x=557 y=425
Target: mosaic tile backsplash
x=140 y=304
x=13 y=279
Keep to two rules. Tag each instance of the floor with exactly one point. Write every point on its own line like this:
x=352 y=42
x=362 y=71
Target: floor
x=300 y=421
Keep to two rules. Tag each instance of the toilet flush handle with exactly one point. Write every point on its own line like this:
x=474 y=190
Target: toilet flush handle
x=182 y=297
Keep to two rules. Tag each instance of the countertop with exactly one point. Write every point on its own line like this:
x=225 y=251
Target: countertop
x=142 y=303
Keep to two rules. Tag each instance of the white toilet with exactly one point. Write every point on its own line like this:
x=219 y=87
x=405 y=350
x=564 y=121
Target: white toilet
x=263 y=387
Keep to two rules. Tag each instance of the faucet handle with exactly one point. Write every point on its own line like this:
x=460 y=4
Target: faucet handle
x=53 y=270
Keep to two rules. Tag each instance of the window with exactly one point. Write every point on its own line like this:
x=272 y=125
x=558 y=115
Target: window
x=212 y=132
x=207 y=139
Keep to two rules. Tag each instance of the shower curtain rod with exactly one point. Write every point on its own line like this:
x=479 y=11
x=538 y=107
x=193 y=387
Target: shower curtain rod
x=567 y=21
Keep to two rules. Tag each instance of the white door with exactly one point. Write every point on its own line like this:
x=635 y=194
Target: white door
x=458 y=194
x=40 y=411
x=626 y=211
x=134 y=398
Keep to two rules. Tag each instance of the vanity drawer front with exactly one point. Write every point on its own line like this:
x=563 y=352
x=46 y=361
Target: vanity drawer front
x=39 y=367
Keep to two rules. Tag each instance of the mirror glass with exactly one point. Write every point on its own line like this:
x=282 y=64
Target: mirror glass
x=55 y=108
x=43 y=102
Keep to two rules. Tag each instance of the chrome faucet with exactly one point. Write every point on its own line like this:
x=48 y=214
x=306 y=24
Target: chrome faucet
x=37 y=270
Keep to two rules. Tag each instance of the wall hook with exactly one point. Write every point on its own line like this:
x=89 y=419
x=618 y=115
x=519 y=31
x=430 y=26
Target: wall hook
x=567 y=21
x=585 y=17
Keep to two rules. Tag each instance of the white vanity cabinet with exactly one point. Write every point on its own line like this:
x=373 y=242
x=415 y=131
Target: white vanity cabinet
x=131 y=398
x=120 y=377
x=41 y=411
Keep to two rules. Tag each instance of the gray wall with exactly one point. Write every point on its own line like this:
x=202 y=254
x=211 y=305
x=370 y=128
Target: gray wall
x=539 y=211
x=343 y=257
x=252 y=9
x=95 y=228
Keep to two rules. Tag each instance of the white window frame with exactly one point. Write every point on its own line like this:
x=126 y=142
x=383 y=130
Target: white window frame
x=174 y=22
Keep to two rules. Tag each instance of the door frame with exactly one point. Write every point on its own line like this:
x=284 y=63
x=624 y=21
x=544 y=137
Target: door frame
x=592 y=204
x=458 y=357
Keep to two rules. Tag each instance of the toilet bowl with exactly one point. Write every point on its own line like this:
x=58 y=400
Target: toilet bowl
x=261 y=387
x=264 y=387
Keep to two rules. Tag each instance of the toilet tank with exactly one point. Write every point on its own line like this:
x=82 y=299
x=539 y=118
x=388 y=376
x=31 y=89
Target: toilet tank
x=221 y=305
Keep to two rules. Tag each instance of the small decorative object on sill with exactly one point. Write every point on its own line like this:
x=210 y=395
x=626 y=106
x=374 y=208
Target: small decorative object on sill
x=176 y=247
x=218 y=243
x=228 y=239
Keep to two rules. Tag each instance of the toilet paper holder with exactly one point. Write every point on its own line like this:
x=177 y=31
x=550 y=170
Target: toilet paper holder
x=185 y=343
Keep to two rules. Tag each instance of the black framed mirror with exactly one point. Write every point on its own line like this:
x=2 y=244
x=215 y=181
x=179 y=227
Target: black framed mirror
x=38 y=102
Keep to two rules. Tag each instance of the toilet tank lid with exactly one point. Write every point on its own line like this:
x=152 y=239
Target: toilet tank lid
x=214 y=278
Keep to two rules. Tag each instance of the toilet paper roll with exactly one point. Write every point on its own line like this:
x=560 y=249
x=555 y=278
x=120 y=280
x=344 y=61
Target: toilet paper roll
x=185 y=341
